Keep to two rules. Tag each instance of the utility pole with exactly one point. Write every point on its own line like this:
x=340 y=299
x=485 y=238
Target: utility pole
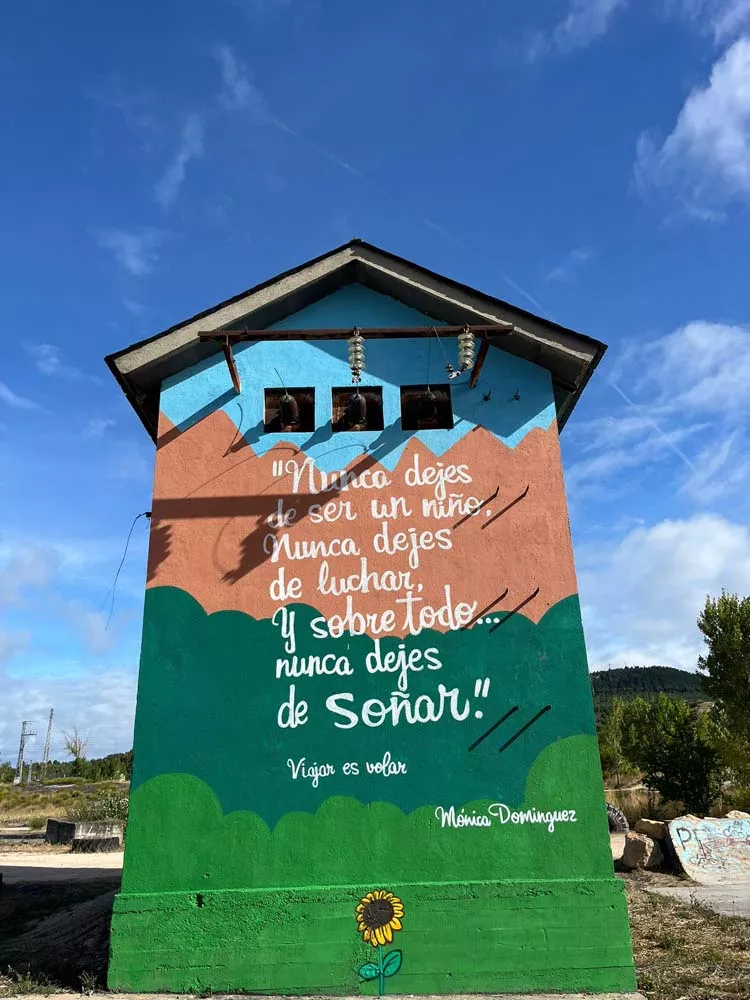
x=25 y=733
x=45 y=756
x=28 y=779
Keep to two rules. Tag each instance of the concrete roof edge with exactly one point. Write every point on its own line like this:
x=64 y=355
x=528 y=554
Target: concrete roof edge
x=547 y=339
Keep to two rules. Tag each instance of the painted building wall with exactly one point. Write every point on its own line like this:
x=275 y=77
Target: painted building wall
x=365 y=756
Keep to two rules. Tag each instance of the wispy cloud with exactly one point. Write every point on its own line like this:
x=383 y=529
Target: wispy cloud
x=135 y=250
x=17 y=402
x=585 y=22
x=23 y=565
x=724 y=19
x=49 y=361
x=568 y=268
x=706 y=158
x=97 y=426
x=129 y=462
x=190 y=147
x=238 y=93
x=686 y=401
x=134 y=107
x=257 y=9
x=90 y=625
x=722 y=469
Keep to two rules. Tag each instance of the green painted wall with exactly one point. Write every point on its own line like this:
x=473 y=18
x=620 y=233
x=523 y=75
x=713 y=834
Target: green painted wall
x=439 y=829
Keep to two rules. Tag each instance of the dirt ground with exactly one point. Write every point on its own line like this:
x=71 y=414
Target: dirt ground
x=58 y=864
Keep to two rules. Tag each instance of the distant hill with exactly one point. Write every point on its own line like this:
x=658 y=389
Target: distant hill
x=630 y=682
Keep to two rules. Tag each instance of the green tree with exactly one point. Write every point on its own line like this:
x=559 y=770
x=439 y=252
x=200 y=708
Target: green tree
x=675 y=748
x=609 y=733
x=725 y=624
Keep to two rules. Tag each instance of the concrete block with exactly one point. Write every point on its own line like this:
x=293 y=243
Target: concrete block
x=95 y=845
x=65 y=832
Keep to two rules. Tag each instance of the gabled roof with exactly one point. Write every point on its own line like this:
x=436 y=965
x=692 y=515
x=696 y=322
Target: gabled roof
x=570 y=357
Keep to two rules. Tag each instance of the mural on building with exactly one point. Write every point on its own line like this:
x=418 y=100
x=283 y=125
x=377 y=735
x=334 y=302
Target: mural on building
x=364 y=692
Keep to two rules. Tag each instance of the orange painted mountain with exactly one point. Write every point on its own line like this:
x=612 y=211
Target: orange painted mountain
x=482 y=525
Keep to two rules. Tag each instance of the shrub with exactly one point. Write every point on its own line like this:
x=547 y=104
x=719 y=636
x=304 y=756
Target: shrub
x=111 y=806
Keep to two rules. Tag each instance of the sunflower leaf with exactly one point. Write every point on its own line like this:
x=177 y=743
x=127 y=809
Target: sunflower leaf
x=392 y=963
x=369 y=971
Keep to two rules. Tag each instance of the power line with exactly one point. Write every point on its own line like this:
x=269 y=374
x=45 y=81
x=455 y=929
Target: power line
x=113 y=588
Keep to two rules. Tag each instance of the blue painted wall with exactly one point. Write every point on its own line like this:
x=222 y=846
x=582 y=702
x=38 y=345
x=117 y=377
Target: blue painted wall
x=200 y=390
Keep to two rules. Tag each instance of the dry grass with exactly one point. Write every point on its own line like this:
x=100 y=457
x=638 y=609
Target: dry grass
x=29 y=846
x=684 y=951
x=17 y=984
x=638 y=802
x=24 y=804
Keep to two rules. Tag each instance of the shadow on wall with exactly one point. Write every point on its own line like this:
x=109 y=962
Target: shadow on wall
x=261 y=506
x=513 y=395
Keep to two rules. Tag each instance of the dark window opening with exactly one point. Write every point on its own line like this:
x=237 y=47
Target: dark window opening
x=357 y=408
x=426 y=408
x=289 y=410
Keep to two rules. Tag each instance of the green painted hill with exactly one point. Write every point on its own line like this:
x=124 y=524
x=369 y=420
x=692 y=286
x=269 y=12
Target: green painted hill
x=646 y=682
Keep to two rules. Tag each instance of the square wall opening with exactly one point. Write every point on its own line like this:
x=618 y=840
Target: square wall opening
x=357 y=408
x=289 y=410
x=426 y=408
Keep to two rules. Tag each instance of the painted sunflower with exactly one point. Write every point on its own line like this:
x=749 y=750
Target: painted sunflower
x=378 y=915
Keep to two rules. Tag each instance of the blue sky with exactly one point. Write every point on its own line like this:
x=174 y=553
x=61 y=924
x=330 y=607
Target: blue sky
x=586 y=159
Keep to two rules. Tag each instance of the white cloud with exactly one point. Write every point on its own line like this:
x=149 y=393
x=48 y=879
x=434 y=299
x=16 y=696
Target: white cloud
x=97 y=700
x=191 y=146
x=91 y=625
x=237 y=93
x=706 y=158
x=702 y=367
x=101 y=703
x=12 y=641
x=48 y=360
x=641 y=596
x=685 y=416
x=724 y=19
x=609 y=455
x=25 y=564
x=585 y=22
x=722 y=468
x=97 y=426
x=18 y=402
x=568 y=268
x=136 y=250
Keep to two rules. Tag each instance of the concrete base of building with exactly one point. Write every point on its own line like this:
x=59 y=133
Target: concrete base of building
x=243 y=996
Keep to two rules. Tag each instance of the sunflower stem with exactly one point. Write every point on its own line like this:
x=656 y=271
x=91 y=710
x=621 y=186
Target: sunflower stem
x=381 y=977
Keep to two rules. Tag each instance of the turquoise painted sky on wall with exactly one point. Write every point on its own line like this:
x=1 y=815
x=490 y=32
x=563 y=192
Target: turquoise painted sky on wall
x=586 y=160
x=197 y=391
